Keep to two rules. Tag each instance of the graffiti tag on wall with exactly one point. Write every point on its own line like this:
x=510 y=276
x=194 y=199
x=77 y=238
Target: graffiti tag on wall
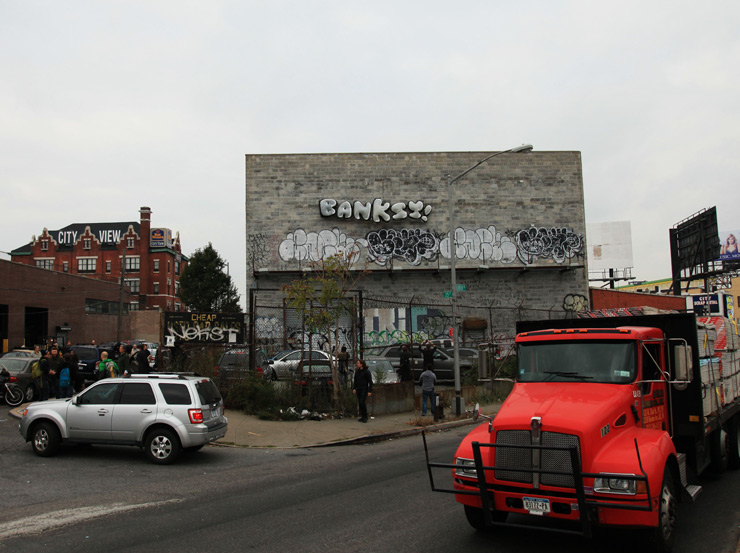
x=410 y=245
x=558 y=243
x=414 y=246
x=300 y=245
x=217 y=328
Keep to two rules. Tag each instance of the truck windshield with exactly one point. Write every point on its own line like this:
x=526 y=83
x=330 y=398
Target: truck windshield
x=573 y=361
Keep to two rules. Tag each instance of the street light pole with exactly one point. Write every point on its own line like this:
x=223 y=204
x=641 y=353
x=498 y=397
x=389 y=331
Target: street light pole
x=453 y=274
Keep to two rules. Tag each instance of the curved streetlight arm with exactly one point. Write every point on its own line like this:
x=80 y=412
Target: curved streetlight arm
x=453 y=273
x=522 y=148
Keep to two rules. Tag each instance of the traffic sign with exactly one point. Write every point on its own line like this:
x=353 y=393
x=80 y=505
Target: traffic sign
x=447 y=294
x=461 y=288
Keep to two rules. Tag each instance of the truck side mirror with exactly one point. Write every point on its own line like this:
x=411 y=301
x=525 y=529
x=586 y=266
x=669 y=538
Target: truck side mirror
x=683 y=366
x=476 y=411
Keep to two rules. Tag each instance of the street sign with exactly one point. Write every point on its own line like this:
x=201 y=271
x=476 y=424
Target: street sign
x=447 y=294
x=461 y=288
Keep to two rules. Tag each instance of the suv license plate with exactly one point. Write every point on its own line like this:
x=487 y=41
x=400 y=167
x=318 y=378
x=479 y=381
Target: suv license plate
x=536 y=505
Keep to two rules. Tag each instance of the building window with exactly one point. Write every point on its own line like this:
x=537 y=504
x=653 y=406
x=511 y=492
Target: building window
x=133 y=284
x=169 y=265
x=177 y=287
x=156 y=265
x=169 y=305
x=133 y=264
x=103 y=307
x=133 y=306
x=129 y=243
x=177 y=267
x=45 y=263
x=87 y=243
x=44 y=245
x=107 y=266
x=65 y=266
x=156 y=287
x=87 y=264
x=177 y=306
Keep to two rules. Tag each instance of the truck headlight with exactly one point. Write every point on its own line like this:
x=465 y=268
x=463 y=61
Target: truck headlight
x=624 y=484
x=465 y=467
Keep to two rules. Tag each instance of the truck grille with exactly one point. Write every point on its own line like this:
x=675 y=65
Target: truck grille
x=510 y=458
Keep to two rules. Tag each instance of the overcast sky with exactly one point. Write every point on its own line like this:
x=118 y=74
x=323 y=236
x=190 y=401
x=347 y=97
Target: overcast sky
x=112 y=105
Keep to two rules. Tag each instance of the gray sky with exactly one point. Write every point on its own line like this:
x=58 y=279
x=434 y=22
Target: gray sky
x=112 y=105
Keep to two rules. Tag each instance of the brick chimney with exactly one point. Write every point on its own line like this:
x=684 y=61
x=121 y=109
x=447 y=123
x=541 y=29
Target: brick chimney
x=145 y=229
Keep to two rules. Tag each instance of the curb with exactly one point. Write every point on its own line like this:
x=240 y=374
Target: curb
x=382 y=436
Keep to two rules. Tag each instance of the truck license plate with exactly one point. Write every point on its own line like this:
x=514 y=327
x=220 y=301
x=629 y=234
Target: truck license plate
x=536 y=505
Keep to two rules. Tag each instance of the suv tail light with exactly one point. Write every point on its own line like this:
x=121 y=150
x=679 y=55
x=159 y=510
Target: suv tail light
x=196 y=415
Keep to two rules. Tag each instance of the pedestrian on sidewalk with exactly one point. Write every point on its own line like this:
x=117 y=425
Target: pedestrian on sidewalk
x=427 y=380
x=404 y=365
x=343 y=358
x=427 y=353
x=362 y=387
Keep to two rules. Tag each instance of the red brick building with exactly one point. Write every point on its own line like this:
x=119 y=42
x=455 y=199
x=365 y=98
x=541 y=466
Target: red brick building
x=151 y=259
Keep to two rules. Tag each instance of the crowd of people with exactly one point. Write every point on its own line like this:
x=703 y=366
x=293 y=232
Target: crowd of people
x=57 y=372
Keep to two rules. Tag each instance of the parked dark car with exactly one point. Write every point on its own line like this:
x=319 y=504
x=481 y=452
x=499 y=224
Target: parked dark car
x=234 y=364
x=21 y=368
x=443 y=361
x=89 y=355
x=315 y=378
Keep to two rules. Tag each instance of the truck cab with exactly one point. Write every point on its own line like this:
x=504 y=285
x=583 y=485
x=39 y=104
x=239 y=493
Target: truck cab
x=604 y=426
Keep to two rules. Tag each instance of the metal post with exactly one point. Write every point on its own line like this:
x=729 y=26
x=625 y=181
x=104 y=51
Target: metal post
x=453 y=274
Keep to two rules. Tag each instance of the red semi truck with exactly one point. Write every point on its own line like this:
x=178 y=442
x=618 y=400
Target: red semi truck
x=609 y=423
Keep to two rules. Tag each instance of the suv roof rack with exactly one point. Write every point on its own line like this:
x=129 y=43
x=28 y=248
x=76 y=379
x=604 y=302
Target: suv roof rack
x=180 y=376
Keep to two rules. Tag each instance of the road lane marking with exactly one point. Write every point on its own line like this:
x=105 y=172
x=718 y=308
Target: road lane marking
x=64 y=517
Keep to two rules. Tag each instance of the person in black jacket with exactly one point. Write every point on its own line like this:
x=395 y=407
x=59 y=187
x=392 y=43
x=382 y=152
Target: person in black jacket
x=362 y=387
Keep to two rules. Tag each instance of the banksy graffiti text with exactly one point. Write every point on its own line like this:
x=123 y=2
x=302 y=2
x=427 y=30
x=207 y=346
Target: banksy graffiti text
x=377 y=210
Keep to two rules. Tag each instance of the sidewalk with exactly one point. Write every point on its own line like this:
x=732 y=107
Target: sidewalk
x=250 y=431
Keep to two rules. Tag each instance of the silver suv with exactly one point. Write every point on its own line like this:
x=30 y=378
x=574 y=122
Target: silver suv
x=163 y=413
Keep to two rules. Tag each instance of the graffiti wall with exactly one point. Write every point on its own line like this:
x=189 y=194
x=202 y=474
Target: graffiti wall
x=209 y=328
x=413 y=247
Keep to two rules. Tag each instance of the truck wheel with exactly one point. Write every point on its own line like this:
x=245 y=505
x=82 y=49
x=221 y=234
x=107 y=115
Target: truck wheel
x=665 y=532
x=477 y=521
x=733 y=443
x=162 y=446
x=45 y=439
x=718 y=451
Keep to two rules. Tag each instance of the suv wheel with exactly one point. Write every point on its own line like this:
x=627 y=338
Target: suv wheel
x=162 y=446
x=45 y=439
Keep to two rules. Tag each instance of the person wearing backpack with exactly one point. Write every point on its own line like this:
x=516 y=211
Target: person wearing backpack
x=106 y=368
x=66 y=377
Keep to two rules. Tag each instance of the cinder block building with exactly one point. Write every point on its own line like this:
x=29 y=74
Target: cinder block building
x=149 y=259
x=519 y=237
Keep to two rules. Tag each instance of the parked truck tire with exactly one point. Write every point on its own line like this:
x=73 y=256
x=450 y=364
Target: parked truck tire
x=666 y=529
x=733 y=443
x=477 y=520
x=718 y=453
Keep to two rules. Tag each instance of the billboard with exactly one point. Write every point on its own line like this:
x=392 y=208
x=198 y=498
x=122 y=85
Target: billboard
x=729 y=249
x=204 y=328
x=609 y=245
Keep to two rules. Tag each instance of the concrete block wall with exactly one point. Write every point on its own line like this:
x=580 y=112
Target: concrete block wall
x=519 y=217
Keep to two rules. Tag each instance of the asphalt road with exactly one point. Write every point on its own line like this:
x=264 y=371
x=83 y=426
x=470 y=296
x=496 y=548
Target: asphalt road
x=348 y=498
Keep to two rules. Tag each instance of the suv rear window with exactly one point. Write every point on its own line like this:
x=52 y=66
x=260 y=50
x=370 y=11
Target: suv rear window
x=175 y=394
x=207 y=392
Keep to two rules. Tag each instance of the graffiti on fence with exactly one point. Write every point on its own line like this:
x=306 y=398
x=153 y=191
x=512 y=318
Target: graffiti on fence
x=540 y=243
